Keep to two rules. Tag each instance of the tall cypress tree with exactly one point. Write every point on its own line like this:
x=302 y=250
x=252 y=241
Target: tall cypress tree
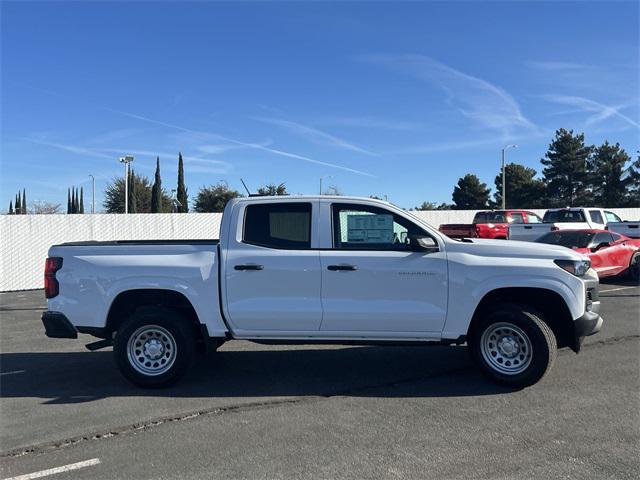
x=565 y=173
x=24 y=202
x=81 y=209
x=18 y=204
x=181 y=194
x=68 y=201
x=156 y=190
x=76 y=201
x=10 y=207
x=133 y=204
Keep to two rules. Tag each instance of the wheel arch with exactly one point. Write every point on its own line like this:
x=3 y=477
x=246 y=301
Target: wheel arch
x=128 y=301
x=550 y=304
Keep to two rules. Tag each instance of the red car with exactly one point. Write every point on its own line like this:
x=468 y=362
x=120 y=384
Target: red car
x=489 y=224
x=610 y=253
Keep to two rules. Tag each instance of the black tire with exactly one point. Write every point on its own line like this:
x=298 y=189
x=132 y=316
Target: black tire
x=525 y=333
x=176 y=348
x=634 y=268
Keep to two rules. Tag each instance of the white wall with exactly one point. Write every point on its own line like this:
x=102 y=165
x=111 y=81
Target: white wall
x=25 y=239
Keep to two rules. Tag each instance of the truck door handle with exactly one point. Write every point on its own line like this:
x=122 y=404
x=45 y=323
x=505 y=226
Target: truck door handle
x=249 y=267
x=528 y=228
x=335 y=268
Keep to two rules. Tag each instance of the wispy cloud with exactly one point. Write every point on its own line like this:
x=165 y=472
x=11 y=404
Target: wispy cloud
x=551 y=66
x=313 y=134
x=80 y=150
x=600 y=112
x=479 y=100
x=373 y=122
x=255 y=146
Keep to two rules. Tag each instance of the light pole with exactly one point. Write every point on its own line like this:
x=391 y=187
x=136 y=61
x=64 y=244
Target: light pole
x=504 y=175
x=93 y=194
x=321 y=178
x=127 y=159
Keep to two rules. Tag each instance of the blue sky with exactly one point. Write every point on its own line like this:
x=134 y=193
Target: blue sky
x=396 y=99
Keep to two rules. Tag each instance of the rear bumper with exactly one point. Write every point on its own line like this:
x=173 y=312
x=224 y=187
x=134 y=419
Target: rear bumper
x=57 y=325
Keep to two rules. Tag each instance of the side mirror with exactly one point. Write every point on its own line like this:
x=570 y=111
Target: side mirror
x=423 y=244
x=600 y=245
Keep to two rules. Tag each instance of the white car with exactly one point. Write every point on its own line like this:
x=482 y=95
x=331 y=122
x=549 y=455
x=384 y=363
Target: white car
x=322 y=270
x=571 y=218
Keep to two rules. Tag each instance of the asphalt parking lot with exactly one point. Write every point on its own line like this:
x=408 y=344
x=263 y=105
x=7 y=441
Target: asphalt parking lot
x=253 y=411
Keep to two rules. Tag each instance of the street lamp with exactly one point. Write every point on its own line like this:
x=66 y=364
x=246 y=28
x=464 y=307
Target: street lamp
x=127 y=159
x=504 y=175
x=93 y=193
x=321 y=178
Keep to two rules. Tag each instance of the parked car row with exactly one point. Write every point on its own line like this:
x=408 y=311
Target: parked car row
x=612 y=245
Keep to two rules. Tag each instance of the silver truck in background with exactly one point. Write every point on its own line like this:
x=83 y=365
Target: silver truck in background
x=570 y=218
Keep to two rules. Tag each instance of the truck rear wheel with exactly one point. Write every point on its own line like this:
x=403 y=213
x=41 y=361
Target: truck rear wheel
x=513 y=346
x=154 y=347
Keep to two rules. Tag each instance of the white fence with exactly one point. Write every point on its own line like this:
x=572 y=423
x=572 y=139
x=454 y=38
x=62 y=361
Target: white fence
x=25 y=239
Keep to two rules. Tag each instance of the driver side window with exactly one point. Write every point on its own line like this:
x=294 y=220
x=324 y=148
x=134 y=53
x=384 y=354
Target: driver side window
x=365 y=227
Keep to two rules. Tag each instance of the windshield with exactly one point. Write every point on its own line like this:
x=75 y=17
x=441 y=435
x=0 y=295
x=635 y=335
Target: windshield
x=567 y=239
x=564 y=216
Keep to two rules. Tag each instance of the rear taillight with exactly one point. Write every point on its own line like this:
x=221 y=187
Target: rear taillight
x=51 y=285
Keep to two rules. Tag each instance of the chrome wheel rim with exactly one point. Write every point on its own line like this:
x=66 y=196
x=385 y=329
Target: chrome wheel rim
x=506 y=348
x=151 y=350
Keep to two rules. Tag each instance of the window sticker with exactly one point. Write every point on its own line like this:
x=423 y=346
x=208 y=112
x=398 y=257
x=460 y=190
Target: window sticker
x=370 y=228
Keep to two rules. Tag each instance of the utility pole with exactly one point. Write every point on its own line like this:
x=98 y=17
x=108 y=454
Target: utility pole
x=127 y=159
x=504 y=175
x=93 y=194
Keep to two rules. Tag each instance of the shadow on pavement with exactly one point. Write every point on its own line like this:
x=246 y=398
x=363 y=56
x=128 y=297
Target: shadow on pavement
x=75 y=377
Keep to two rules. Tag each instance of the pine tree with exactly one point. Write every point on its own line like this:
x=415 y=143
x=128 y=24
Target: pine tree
x=10 y=207
x=23 y=205
x=470 y=193
x=156 y=190
x=68 y=201
x=181 y=195
x=76 y=202
x=18 y=204
x=565 y=173
x=81 y=209
x=523 y=190
x=607 y=170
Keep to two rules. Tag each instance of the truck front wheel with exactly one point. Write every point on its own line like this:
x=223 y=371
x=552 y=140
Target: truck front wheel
x=154 y=347
x=512 y=345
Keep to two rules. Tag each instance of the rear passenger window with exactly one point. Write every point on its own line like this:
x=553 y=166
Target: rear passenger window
x=517 y=218
x=595 y=216
x=533 y=218
x=612 y=217
x=278 y=225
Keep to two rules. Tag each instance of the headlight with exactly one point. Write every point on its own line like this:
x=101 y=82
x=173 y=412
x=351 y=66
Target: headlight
x=575 y=267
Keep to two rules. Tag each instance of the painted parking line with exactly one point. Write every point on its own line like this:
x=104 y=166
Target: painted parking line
x=13 y=372
x=616 y=289
x=53 y=471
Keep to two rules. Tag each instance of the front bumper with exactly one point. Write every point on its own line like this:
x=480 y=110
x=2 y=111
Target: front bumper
x=57 y=325
x=590 y=322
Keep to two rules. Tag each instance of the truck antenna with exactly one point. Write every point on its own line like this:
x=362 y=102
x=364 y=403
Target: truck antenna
x=245 y=186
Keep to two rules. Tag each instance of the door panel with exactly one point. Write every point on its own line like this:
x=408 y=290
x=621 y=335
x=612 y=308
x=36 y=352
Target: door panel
x=272 y=277
x=388 y=291
x=372 y=281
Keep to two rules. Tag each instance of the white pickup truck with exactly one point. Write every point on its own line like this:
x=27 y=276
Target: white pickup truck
x=629 y=229
x=570 y=218
x=322 y=270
